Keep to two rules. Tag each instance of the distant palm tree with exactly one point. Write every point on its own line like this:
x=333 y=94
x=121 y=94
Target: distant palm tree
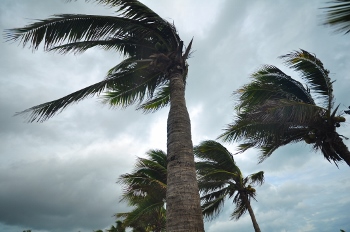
x=275 y=110
x=219 y=178
x=145 y=190
x=338 y=15
x=152 y=75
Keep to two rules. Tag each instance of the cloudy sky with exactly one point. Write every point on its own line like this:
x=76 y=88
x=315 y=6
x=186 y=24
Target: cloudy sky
x=60 y=175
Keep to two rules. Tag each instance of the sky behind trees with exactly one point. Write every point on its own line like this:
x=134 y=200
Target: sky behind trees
x=60 y=175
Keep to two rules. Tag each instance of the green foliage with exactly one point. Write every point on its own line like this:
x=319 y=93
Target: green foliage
x=338 y=15
x=220 y=178
x=136 y=32
x=274 y=109
x=145 y=190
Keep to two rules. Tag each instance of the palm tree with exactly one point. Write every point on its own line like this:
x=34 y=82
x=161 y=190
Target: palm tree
x=152 y=76
x=220 y=178
x=145 y=190
x=275 y=110
x=338 y=15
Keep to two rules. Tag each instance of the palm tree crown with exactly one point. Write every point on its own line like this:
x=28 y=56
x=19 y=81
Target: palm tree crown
x=145 y=190
x=219 y=178
x=150 y=44
x=275 y=110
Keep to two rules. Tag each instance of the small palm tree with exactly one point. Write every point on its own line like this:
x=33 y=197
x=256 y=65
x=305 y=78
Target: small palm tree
x=219 y=178
x=145 y=190
x=338 y=15
x=275 y=110
x=152 y=76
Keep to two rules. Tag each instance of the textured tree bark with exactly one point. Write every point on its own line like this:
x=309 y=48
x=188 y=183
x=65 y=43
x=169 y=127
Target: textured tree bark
x=252 y=216
x=183 y=210
x=341 y=149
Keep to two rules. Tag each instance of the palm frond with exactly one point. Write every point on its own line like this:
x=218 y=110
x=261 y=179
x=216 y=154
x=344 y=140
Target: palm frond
x=211 y=209
x=271 y=83
x=147 y=179
x=129 y=8
x=240 y=208
x=135 y=10
x=45 y=111
x=126 y=46
x=208 y=186
x=266 y=136
x=293 y=113
x=256 y=178
x=160 y=99
x=338 y=15
x=215 y=152
x=313 y=72
x=158 y=156
x=73 y=28
x=132 y=87
x=188 y=50
x=329 y=152
x=254 y=132
x=135 y=86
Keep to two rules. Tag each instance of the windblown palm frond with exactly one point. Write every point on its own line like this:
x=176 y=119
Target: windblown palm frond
x=148 y=177
x=271 y=83
x=313 y=72
x=220 y=178
x=338 y=15
x=274 y=110
x=137 y=32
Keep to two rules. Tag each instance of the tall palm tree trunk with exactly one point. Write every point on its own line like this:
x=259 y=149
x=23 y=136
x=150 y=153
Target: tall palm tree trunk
x=183 y=203
x=252 y=215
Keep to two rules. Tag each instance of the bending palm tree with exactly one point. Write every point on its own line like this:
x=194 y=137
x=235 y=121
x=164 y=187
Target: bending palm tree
x=338 y=15
x=220 y=178
x=145 y=190
x=152 y=75
x=275 y=110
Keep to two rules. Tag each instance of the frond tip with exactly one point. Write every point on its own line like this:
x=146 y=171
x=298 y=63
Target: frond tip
x=338 y=15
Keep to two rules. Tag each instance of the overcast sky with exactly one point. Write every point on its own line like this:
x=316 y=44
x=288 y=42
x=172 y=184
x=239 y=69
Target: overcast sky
x=59 y=176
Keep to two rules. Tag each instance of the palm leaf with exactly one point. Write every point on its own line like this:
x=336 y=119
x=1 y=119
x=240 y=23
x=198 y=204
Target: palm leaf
x=271 y=83
x=293 y=113
x=45 y=111
x=132 y=87
x=338 y=15
x=207 y=185
x=211 y=209
x=256 y=178
x=77 y=27
x=215 y=152
x=160 y=99
x=240 y=208
x=126 y=46
x=313 y=72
